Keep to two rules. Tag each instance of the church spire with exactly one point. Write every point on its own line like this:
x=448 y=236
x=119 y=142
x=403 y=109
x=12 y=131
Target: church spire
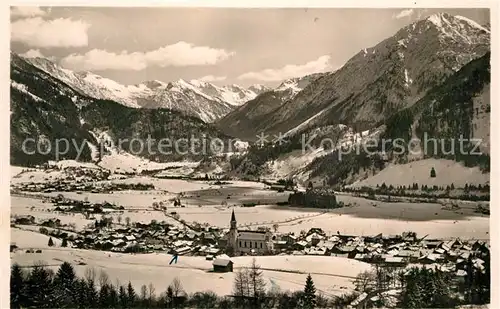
x=233 y=221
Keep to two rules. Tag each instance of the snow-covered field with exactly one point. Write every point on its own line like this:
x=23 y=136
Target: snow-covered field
x=34 y=175
x=447 y=172
x=23 y=206
x=31 y=240
x=362 y=218
x=125 y=162
x=331 y=275
x=128 y=199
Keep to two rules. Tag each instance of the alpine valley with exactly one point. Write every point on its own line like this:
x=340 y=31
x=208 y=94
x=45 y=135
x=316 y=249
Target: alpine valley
x=431 y=76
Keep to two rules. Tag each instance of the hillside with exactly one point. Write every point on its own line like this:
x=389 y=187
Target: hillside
x=446 y=112
x=249 y=119
x=447 y=172
x=381 y=80
x=44 y=107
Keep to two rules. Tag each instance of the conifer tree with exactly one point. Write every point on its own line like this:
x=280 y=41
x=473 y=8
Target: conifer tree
x=64 y=286
x=81 y=294
x=17 y=281
x=104 y=293
x=92 y=294
x=131 y=295
x=39 y=287
x=309 y=299
x=113 y=297
x=122 y=295
x=51 y=242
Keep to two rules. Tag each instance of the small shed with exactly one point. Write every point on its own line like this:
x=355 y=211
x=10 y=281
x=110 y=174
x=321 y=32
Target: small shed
x=222 y=265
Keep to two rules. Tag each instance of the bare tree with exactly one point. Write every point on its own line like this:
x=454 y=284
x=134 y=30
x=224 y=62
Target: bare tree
x=119 y=219
x=103 y=278
x=365 y=281
x=256 y=280
x=90 y=274
x=241 y=286
x=176 y=287
x=144 y=293
x=276 y=227
x=151 y=293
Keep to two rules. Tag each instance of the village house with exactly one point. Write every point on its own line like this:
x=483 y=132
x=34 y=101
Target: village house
x=222 y=265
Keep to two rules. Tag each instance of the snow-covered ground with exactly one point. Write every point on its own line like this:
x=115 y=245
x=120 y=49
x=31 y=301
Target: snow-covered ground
x=447 y=172
x=331 y=275
x=16 y=170
x=127 y=199
x=22 y=206
x=72 y=163
x=289 y=164
x=214 y=208
x=127 y=163
x=361 y=219
x=36 y=176
x=31 y=240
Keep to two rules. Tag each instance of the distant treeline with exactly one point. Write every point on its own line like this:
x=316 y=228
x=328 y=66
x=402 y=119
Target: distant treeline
x=469 y=192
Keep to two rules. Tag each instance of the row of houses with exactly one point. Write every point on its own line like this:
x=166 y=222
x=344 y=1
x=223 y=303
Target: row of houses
x=150 y=237
x=395 y=250
x=80 y=185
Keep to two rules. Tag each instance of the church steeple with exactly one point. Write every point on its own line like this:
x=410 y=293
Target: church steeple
x=233 y=221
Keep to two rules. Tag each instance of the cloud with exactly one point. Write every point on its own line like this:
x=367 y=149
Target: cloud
x=61 y=32
x=211 y=78
x=26 y=11
x=32 y=53
x=321 y=64
x=403 y=13
x=36 y=53
x=178 y=55
x=421 y=13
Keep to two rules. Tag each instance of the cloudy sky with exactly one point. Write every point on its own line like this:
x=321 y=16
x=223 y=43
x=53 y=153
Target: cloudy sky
x=242 y=46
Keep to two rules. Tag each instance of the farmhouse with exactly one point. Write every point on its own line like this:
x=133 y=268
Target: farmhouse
x=222 y=265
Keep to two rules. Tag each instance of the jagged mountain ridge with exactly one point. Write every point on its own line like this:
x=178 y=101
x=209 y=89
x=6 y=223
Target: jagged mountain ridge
x=381 y=80
x=251 y=117
x=457 y=108
x=43 y=106
x=196 y=98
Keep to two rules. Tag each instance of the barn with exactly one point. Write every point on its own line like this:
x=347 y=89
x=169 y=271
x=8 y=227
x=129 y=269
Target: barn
x=222 y=265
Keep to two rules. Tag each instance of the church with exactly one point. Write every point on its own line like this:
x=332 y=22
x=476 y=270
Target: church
x=247 y=241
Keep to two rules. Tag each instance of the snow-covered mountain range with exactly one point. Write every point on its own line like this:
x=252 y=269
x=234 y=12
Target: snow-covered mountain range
x=196 y=98
x=251 y=115
x=375 y=83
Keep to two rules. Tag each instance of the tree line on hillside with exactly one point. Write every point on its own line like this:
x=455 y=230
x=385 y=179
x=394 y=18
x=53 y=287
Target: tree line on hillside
x=468 y=192
x=40 y=287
